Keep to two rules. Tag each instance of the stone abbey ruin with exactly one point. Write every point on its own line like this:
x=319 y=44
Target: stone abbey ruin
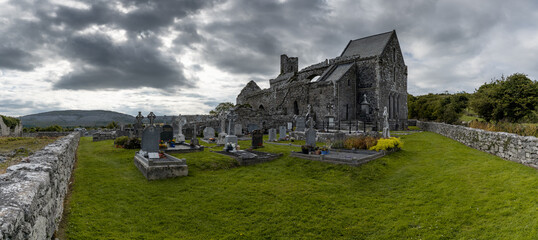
x=369 y=75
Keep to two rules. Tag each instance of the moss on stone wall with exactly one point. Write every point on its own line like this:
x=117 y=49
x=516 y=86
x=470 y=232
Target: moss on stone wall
x=10 y=121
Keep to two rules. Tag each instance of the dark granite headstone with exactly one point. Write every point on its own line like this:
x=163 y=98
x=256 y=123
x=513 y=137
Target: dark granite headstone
x=300 y=124
x=310 y=137
x=257 y=138
x=167 y=134
x=150 y=139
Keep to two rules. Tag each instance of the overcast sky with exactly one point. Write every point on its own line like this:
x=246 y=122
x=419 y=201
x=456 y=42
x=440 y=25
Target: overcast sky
x=173 y=56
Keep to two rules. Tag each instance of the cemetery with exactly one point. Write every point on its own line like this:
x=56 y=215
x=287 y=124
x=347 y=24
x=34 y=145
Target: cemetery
x=325 y=152
x=317 y=177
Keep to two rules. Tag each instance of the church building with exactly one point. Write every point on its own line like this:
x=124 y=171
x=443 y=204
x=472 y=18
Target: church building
x=356 y=86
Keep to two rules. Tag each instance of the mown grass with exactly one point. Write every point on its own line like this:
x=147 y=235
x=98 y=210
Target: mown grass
x=15 y=148
x=435 y=188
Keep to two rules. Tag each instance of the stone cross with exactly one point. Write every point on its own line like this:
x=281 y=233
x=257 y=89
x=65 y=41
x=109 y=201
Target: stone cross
x=231 y=116
x=139 y=118
x=180 y=122
x=222 y=117
x=151 y=118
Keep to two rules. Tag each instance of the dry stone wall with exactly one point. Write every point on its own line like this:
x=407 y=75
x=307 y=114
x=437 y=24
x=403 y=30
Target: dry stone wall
x=32 y=192
x=505 y=145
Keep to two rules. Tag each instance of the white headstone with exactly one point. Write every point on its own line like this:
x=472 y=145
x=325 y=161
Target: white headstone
x=238 y=129
x=272 y=135
x=209 y=132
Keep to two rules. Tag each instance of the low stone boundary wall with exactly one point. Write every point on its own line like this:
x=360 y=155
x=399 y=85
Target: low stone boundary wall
x=46 y=134
x=32 y=193
x=505 y=145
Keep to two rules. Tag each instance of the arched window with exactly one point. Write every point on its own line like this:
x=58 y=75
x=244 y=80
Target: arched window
x=261 y=107
x=295 y=108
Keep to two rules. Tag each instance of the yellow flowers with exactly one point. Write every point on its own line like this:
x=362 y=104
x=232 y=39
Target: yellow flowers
x=387 y=144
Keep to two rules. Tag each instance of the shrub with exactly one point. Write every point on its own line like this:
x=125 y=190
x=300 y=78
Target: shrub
x=516 y=128
x=338 y=145
x=360 y=142
x=387 y=144
x=133 y=143
x=121 y=141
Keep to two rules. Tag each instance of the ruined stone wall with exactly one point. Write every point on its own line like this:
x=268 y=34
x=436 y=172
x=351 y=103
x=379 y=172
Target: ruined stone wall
x=505 y=145
x=6 y=131
x=32 y=193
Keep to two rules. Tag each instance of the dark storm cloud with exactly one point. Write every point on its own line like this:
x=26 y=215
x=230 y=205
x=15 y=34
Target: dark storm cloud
x=97 y=61
x=253 y=34
x=103 y=64
x=16 y=59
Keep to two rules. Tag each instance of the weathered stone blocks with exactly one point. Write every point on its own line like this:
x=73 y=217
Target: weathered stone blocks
x=32 y=193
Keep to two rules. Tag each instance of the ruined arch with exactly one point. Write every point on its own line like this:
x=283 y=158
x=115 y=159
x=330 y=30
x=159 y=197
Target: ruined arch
x=261 y=107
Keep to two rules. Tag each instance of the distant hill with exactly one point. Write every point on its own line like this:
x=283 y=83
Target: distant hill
x=75 y=118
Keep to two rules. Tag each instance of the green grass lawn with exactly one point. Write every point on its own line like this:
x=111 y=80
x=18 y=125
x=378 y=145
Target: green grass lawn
x=435 y=188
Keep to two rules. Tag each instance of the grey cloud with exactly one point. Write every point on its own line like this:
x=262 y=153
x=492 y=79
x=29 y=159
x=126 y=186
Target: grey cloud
x=16 y=59
x=103 y=64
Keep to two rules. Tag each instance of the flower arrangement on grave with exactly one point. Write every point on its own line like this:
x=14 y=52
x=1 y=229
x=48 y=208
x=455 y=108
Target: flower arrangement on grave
x=324 y=150
x=162 y=145
x=161 y=155
x=172 y=143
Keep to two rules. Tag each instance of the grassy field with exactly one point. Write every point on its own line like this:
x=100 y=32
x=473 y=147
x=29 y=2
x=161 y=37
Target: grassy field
x=15 y=148
x=435 y=188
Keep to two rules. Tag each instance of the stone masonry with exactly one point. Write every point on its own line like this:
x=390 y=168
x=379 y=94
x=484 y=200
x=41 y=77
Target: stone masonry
x=509 y=146
x=32 y=192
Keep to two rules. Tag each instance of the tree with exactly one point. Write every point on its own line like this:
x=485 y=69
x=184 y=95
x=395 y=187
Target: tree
x=507 y=99
x=442 y=107
x=112 y=125
x=222 y=107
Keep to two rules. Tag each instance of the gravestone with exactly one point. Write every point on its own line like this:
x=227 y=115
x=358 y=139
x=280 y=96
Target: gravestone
x=257 y=138
x=386 y=131
x=300 y=124
x=150 y=138
x=167 y=134
x=310 y=137
x=139 y=127
x=251 y=127
x=194 y=139
x=178 y=128
x=290 y=125
x=272 y=135
x=310 y=133
x=238 y=130
x=231 y=138
x=209 y=132
x=282 y=133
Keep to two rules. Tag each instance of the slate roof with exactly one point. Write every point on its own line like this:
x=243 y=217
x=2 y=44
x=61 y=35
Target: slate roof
x=338 y=72
x=367 y=46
